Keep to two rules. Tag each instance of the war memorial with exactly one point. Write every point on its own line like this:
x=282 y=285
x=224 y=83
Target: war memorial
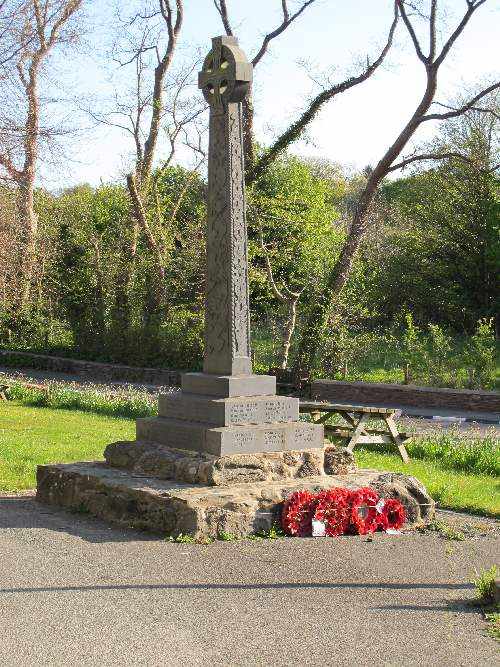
x=225 y=451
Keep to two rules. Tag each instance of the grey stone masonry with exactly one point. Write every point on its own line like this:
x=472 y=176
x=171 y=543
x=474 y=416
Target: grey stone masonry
x=168 y=507
x=220 y=441
x=229 y=411
x=224 y=80
x=226 y=409
x=228 y=385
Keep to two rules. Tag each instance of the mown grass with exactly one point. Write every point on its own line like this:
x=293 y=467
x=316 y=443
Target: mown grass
x=30 y=436
x=460 y=491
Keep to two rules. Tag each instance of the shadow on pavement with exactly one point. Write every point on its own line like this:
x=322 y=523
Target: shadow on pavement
x=25 y=512
x=464 y=606
x=242 y=587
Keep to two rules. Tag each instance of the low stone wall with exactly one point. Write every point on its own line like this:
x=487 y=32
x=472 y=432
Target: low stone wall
x=91 y=370
x=379 y=394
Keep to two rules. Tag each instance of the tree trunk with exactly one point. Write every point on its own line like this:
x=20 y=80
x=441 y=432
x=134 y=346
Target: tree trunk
x=289 y=331
x=29 y=228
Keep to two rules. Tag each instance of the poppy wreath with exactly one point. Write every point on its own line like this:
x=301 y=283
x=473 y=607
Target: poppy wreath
x=332 y=507
x=364 y=515
x=393 y=515
x=297 y=513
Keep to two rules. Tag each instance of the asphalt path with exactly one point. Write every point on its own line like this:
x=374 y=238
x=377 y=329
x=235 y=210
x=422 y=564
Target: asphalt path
x=74 y=591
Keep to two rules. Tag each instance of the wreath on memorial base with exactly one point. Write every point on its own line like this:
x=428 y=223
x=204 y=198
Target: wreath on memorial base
x=296 y=517
x=341 y=511
x=393 y=515
x=364 y=511
x=332 y=507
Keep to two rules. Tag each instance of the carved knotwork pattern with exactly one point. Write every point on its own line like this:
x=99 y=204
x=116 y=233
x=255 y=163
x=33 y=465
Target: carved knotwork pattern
x=227 y=329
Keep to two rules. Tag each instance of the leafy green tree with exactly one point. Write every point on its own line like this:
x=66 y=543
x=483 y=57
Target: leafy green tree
x=442 y=246
x=294 y=239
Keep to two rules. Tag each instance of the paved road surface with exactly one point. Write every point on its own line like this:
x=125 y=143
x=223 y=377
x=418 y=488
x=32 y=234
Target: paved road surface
x=75 y=592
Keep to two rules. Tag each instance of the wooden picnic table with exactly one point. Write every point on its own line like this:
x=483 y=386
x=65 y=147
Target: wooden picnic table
x=355 y=431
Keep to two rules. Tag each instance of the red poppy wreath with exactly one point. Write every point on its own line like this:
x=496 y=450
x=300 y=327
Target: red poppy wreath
x=363 y=511
x=297 y=513
x=392 y=516
x=332 y=507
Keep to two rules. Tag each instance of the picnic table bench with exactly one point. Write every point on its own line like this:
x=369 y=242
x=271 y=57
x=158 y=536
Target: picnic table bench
x=355 y=429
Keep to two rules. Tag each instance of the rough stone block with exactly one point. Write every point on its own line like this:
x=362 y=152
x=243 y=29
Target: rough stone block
x=228 y=411
x=230 y=439
x=152 y=459
x=225 y=386
x=171 y=508
x=339 y=460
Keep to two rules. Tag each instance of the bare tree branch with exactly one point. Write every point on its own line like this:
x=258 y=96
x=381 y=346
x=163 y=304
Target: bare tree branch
x=14 y=173
x=173 y=28
x=288 y=19
x=430 y=156
x=472 y=6
x=295 y=130
x=471 y=104
x=222 y=9
x=411 y=31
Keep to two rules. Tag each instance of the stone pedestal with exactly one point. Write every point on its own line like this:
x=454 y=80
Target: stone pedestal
x=229 y=415
x=168 y=507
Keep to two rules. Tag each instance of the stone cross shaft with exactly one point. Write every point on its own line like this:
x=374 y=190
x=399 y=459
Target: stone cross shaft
x=225 y=80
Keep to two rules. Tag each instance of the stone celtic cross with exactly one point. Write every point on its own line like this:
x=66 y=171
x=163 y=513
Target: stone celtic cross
x=225 y=80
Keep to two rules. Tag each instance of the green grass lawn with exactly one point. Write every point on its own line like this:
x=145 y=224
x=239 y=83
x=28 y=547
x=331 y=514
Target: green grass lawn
x=35 y=435
x=478 y=494
x=31 y=435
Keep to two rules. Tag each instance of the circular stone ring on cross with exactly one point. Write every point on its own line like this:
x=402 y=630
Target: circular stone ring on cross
x=226 y=73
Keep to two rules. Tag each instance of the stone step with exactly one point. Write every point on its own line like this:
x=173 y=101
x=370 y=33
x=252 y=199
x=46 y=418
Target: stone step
x=172 y=508
x=235 y=439
x=228 y=411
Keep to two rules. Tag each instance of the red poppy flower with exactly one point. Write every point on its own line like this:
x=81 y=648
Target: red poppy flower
x=332 y=507
x=363 y=519
x=393 y=515
x=296 y=516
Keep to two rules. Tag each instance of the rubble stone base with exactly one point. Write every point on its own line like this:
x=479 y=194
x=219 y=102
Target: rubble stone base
x=157 y=460
x=168 y=507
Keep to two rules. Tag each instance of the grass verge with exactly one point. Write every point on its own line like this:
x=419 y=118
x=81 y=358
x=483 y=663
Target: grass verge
x=31 y=435
x=460 y=491
x=126 y=402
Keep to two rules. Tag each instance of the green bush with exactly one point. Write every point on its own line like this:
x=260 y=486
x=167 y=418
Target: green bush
x=479 y=356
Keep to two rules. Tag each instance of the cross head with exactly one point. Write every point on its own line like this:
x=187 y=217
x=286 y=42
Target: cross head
x=226 y=74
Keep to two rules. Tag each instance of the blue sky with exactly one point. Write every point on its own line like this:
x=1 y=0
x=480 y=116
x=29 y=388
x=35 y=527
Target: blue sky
x=354 y=130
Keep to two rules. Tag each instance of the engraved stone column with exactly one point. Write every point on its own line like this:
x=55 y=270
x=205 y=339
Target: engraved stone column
x=226 y=409
x=225 y=80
